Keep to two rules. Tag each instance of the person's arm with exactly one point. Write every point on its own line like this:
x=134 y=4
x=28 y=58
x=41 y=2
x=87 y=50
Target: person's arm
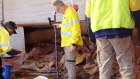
x=135 y=9
x=88 y=8
x=134 y=5
x=14 y=52
x=57 y=25
x=5 y=43
x=76 y=30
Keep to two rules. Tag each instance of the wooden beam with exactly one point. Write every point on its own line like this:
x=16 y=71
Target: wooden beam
x=38 y=24
x=33 y=25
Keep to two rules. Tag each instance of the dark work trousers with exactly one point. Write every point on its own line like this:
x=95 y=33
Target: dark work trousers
x=136 y=16
x=90 y=33
x=1 y=76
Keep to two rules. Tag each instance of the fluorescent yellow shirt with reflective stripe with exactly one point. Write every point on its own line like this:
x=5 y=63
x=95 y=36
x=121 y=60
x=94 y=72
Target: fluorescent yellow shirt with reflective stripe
x=4 y=41
x=88 y=8
x=108 y=14
x=70 y=28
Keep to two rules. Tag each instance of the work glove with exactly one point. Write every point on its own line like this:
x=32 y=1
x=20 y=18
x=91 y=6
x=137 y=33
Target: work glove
x=14 y=52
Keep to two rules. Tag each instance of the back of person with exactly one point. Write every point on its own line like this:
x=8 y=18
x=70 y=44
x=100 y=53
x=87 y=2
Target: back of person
x=112 y=23
x=113 y=17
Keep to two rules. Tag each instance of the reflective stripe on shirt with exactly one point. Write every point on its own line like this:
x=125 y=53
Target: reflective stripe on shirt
x=4 y=45
x=66 y=33
x=69 y=24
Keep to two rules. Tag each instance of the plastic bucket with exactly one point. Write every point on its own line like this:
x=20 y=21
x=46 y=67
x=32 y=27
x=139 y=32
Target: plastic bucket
x=7 y=73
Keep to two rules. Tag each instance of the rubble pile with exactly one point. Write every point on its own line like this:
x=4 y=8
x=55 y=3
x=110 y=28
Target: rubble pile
x=42 y=59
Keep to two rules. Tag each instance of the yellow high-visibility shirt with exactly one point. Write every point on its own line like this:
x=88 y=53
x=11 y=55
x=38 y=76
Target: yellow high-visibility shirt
x=4 y=41
x=70 y=28
x=134 y=5
x=112 y=14
x=88 y=8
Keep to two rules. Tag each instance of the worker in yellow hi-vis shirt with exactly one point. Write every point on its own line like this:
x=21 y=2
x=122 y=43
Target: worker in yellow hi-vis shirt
x=70 y=35
x=5 y=32
x=112 y=22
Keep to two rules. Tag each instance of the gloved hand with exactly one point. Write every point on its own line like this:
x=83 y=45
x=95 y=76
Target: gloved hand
x=14 y=52
x=56 y=25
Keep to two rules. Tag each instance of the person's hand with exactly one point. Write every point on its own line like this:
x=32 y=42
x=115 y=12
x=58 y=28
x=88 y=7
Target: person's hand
x=19 y=51
x=1 y=67
x=56 y=25
x=73 y=49
x=14 y=52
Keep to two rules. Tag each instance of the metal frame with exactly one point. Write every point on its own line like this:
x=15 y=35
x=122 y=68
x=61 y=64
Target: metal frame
x=55 y=38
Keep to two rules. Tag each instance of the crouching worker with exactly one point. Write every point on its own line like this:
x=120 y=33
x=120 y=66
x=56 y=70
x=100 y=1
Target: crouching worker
x=5 y=31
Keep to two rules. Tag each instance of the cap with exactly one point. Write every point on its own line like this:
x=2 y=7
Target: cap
x=12 y=25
